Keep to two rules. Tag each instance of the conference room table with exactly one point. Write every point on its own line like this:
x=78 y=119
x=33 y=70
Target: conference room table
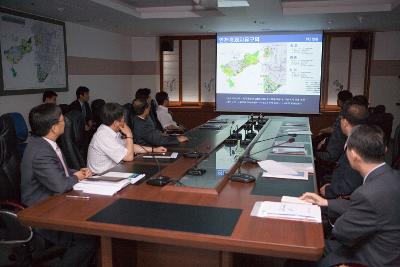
x=194 y=220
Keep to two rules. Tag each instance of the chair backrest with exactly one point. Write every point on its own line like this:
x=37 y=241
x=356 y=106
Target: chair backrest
x=396 y=145
x=384 y=121
x=72 y=139
x=96 y=107
x=10 y=175
x=129 y=114
x=64 y=108
x=21 y=129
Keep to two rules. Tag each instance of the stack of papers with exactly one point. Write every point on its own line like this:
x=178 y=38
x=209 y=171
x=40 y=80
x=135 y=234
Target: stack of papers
x=295 y=124
x=287 y=211
x=286 y=170
x=107 y=184
x=289 y=150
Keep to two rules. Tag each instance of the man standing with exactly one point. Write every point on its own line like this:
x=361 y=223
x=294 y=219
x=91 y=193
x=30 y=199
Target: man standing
x=113 y=141
x=44 y=173
x=368 y=229
x=81 y=104
x=145 y=132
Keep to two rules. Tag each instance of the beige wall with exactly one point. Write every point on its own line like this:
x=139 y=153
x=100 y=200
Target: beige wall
x=385 y=72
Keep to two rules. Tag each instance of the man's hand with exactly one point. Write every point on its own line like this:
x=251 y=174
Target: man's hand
x=322 y=190
x=314 y=199
x=320 y=144
x=160 y=149
x=126 y=130
x=83 y=174
x=86 y=172
x=182 y=138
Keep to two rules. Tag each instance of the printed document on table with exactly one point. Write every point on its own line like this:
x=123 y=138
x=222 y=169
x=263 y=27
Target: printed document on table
x=287 y=211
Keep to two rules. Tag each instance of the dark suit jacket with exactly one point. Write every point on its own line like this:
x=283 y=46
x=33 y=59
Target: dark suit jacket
x=77 y=106
x=145 y=133
x=336 y=142
x=42 y=173
x=368 y=231
x=344 y=179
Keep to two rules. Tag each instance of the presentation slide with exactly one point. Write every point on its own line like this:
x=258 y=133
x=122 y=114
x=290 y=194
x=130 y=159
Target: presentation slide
x=269 y=72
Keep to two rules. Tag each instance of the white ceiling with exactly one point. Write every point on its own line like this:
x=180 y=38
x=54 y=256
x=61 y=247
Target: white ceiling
x=136 y=17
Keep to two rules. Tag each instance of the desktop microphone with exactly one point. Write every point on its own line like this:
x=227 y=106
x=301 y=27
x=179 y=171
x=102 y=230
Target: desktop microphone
x=248 y=178
x=248 y=158
x=160 y=180
x=193 y=154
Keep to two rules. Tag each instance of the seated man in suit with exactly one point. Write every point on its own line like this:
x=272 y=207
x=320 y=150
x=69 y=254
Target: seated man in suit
x=344 y=180
x=113 y=141
x=44 y=173
x=49 y=96
x=144 y=93
x=163 y=115
x=336 y=141
x=81 y=104
x=368 y=229
x=145 y=132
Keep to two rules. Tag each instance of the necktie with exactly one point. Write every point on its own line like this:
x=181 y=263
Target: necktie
x=59 y=154
x=84 y=110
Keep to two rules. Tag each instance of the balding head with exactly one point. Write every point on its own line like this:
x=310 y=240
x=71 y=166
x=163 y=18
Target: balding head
x=353 y=114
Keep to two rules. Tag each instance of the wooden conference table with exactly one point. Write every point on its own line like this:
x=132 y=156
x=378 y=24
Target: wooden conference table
x=198 y=220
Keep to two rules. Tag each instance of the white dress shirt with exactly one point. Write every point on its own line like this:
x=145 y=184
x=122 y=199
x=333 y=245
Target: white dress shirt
x=106 y=149
x=59 y=154
x=165 y=117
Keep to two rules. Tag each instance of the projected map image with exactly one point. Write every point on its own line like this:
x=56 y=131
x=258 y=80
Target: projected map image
x=273 y=67
x=269 y=59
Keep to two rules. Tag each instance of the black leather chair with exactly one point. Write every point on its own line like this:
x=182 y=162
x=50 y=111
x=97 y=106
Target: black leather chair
x=383 y=120
x=396 y=148
x=10 y=176
x=129 y=114
x=64 y=108
x=72 y=141
x=96 y=107
x=18 y=244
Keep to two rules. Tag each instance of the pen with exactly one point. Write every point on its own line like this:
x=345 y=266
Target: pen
x=77 y=197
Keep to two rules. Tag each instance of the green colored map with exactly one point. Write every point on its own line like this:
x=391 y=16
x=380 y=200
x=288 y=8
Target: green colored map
x=234 y=68
x=16 y=53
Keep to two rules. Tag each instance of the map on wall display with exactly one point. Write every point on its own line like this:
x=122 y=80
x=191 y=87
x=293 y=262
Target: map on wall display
x=33 y=55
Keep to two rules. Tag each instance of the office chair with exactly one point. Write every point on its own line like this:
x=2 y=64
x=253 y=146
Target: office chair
x=10 y=177
x=96 y=107
x=396 y=148
x=21 y=130
x=72 y=141
x=129 y=114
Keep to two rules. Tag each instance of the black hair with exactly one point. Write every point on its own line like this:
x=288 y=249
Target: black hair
x=43 y=117
x=81 y=90
x=360 y=99
x=142 y=93
x=111 y=112
x=161 y=97
x=48 y=94
x=355 y=113
x=368 y=142
x=139 y=105
x=344 y=96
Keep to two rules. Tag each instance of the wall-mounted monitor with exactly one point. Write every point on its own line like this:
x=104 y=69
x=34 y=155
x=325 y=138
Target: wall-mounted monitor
x=269 y=72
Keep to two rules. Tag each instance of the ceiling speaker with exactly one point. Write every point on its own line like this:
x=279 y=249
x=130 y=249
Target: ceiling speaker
x=167 y=45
